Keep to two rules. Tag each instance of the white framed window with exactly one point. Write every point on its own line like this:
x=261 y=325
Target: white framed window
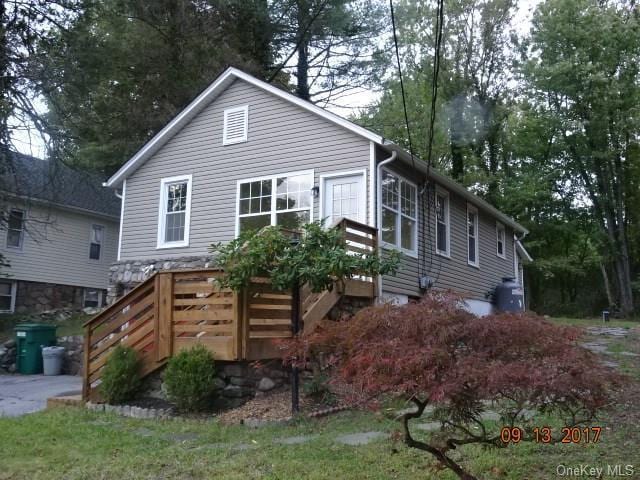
x=284 y=200
x=95 y=242
x=7 y=296
x=473 y=254
x=15 y=228
x=443 y=222
x=236 y=125
x=92 y=298
x=399 y=205
x=500 y=241
x=174 y=212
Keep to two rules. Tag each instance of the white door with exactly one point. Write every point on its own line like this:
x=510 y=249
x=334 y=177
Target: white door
x=344 y=196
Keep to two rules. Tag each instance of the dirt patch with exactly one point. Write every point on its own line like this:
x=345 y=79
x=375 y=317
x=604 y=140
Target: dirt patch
x=271 y=407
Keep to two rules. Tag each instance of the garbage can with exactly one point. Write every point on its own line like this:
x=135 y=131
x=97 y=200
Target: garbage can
x=30 y=338
x=52 y=360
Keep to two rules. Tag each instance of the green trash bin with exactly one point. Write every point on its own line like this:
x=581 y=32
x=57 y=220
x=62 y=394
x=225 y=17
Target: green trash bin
x=30 y=338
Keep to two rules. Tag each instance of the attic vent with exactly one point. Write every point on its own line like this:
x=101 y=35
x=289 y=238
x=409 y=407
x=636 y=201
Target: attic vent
x=236 y=123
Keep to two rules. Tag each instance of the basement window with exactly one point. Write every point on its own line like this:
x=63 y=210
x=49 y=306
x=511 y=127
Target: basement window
x=7 y=296
x=92 y=298
x=236 y=125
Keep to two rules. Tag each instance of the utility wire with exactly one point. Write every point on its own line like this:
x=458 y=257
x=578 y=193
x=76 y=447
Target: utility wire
x=434 y=83
x=404 y=101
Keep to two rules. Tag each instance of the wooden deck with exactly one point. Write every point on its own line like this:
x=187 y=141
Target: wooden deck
x=175 y=310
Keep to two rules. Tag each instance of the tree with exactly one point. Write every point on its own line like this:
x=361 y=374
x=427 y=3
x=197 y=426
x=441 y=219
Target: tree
x=126 y=67
x=330 y=45
x=583 y=74
x=434 y=353
x=318 y=257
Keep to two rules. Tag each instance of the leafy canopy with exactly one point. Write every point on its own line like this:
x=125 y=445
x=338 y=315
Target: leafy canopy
x=319 y=258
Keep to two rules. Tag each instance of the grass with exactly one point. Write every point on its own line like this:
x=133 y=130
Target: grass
x=595 y=322
x=74 y=443
x=71 y=326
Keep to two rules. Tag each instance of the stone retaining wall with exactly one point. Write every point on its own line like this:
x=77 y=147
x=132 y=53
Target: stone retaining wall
x=38 y=297
x=125 y=275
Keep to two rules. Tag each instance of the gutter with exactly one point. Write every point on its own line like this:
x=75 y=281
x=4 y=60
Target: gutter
x=386 y=161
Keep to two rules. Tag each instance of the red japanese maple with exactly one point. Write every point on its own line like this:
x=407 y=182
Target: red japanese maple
x=435 y=353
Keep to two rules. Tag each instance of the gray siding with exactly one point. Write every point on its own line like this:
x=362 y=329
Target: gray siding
x=453 y=273
x=56 y=248
x=282 y=138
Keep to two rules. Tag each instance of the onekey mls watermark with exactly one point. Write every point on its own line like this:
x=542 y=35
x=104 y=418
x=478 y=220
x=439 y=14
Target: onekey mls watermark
x=584 y=470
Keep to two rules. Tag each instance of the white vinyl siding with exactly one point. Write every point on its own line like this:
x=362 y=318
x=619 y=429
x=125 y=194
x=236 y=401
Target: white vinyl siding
x=7 y=296
x=443 y=223
x=473 y=254
x=399 y=223
x=284 y=200
x=174 y=212
x=500 y=241
x=236 y=125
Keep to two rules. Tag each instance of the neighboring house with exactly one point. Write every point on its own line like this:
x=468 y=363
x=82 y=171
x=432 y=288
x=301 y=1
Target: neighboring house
x=59 y=235
x=245 y=154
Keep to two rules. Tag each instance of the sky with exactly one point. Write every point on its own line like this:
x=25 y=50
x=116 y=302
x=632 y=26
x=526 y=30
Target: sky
x=27 y=141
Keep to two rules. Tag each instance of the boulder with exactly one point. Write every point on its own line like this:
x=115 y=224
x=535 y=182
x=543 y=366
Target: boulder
x=266 y=384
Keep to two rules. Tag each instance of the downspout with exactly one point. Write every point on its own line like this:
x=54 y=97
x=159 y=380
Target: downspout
x=386 y=161
x=104 y=184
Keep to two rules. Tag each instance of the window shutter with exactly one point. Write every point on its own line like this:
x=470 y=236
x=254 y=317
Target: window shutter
x=236 y=122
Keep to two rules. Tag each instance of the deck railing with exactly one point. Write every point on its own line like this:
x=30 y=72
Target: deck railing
x=174 y=310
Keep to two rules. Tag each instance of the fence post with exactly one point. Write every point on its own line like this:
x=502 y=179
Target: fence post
x=86 y=387
x=164 y=314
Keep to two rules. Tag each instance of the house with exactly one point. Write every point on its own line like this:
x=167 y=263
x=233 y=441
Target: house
x=245 y=154
x=59 y=235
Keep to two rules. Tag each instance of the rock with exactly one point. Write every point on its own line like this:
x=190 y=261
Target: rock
x=240 y=381
x=266 y=384
x=236 y=391
x=219 y=383
x=234 y=370
x=90 y=310
x=9 y=344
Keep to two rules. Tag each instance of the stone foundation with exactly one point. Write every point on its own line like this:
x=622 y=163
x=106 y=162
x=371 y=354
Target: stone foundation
x=348 y=306
x=39 y=297
x=125 y=275
x=236 y=382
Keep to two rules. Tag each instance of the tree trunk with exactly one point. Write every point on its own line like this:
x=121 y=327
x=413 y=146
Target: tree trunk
x=302 y=68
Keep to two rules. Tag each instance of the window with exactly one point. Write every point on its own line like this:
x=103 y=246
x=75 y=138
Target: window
x=443 y=242
x=500 y=240
x=472 y=236
x=15 y=229
x=236 y=125
x=175 y=211
x=7 y=296
x=283 y=200
x=92 y=298
x=399 y=215
x=95 y=243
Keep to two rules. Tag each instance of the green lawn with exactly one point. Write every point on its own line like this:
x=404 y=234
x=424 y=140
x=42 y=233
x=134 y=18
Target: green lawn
x=73 y=443
x=595 y=322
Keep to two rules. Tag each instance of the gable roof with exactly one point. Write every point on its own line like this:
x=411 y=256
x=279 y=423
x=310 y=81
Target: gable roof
x=55 y=183
x=228 y=77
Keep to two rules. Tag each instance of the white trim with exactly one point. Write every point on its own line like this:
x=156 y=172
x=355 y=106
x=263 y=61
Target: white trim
x=20 y=246
x=372 y=184
x=382 y=243
x=14 y=288
x=243 y=139
x=501 y=228
x=273 y=212
x=206 y=97
x=122 y=199
x=473 y=209
x=102 y=243
x=350 y=173
x=445 y=193
x=162 y=212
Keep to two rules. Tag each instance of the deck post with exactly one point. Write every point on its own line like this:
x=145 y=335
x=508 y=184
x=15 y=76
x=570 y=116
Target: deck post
x=86 y=387
x=295 y=329
x=164 y=315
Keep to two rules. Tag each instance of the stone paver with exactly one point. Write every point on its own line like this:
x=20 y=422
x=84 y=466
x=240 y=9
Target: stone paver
x=596 y=346
x=630 y=354
x=428 y=427
x=21 y=394
x=360 y=438
x=608 y=331
x=297 y=440
x=144 y=432
x=490 y=415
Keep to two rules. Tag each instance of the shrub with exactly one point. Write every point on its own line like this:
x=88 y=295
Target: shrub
x=121 y=376
x=434 y=353
x=189 y=379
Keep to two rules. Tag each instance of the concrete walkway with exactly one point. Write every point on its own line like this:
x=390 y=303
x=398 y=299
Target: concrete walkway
x=21 y=394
